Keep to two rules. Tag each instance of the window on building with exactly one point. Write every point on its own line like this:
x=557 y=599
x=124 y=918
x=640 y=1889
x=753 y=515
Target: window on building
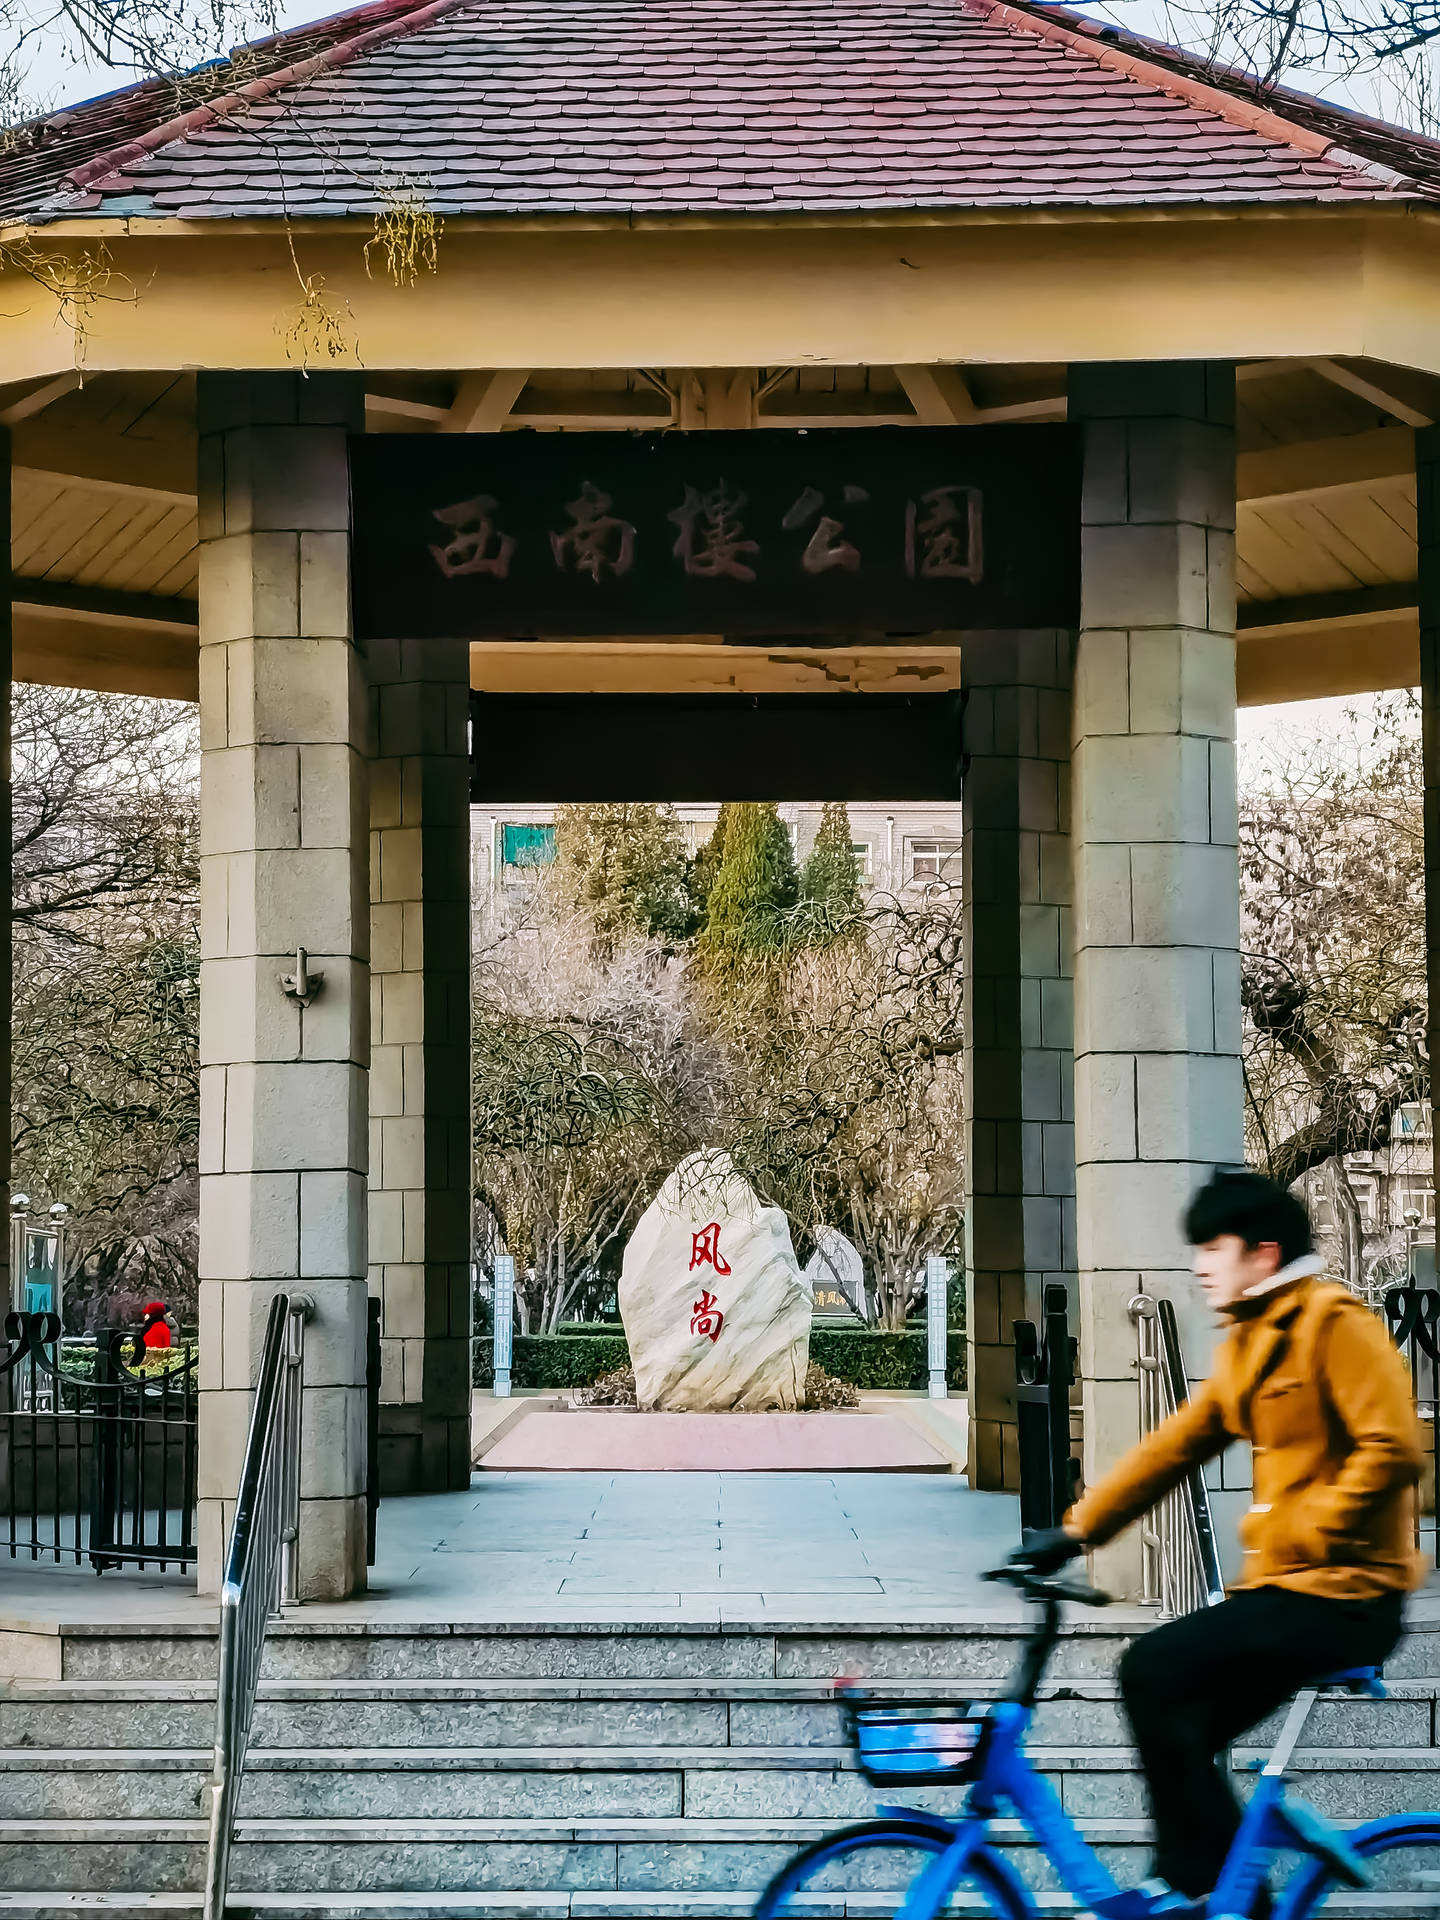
x=863 y=854
x=935 y=860
x=1418 y=1196
x=522 y=848
x=1365 y=1188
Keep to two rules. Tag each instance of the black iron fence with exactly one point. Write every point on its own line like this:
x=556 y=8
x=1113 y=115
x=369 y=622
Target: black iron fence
x=1413 y=1315
x=1044 y=1371
x=97 y=1448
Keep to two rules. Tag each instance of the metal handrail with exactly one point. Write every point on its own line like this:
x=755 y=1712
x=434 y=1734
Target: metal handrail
x=261 y=1568
x=1180 y=1560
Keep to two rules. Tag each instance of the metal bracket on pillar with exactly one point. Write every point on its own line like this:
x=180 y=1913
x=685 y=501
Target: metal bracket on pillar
x=302 y=985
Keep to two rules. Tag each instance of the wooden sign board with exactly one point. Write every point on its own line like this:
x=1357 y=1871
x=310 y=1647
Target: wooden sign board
x=898 y=529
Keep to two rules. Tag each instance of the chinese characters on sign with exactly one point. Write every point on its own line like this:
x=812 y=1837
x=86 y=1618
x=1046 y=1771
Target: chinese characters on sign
x=941 y=533
x=596 y=542
x=705 y=1250
x=706 y=1318
x=474 y=546
x=891 y=530
x=711 y=534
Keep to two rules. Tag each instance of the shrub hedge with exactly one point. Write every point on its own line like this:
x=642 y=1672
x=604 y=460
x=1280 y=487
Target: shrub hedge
x=556 y=1359
x=882 y=1360
x=874 y=1361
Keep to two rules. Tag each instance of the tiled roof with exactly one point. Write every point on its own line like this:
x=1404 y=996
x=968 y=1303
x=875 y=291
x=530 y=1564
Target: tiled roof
x=38 y=157
x=655 y=106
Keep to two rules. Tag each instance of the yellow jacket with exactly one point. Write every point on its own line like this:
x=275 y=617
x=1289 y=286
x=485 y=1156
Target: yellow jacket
x=1309 y=1376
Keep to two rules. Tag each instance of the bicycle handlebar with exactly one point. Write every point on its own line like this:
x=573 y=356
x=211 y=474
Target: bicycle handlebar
x=1049 y=1586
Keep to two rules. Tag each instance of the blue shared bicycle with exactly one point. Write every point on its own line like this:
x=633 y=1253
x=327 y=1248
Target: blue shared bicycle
x=1389 y=1868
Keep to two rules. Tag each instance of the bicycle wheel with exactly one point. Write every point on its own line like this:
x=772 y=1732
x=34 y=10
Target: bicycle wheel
x=903 y=1848
x=1403 y=1853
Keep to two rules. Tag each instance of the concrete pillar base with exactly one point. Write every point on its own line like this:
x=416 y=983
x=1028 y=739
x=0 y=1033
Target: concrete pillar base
x=422 y=1452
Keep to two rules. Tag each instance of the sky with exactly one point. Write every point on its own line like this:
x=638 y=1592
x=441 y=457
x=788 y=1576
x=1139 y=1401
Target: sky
x=1344 y=726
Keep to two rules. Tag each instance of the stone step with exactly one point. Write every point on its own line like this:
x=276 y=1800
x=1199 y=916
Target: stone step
x=690 y=1713
x=971 y=1648
x=657 y=1782
x=485 y=1856
x=612 y=1857
x=568 y=1906
x=627 y=1783
x=500 y=1783
x=301 y=1649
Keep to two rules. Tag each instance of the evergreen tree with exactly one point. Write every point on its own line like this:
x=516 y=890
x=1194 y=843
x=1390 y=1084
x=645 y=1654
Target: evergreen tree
x=830 y=878
x=706 y=864
x=754 y=888
x=626 y=863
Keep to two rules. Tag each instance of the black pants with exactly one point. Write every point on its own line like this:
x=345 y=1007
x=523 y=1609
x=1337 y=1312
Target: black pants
x=1196 y=1683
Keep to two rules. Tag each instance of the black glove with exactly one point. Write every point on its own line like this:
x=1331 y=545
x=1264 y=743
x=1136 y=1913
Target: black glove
x=1046 y=1550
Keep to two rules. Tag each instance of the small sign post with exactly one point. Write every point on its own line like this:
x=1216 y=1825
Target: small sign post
x=503 y=1308
x=937 y=1300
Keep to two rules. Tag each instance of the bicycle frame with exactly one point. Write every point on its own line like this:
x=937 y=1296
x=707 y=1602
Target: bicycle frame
x=1009 y=1779
x=1272 y=1821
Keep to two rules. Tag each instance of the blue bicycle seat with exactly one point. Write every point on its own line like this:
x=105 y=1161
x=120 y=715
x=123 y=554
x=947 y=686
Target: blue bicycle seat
x=1366 y=1682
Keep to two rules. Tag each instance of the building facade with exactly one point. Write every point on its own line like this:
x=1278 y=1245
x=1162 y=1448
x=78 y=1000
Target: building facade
x=899 y=849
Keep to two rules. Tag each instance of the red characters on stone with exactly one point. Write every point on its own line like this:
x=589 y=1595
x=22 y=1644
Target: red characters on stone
x=706 y=1316
x=705 y=1250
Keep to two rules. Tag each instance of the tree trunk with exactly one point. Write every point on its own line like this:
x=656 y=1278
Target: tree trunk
x=1347 y=1218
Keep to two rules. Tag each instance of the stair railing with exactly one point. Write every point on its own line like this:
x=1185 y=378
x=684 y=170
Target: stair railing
x=1180 y=1560
x=261 y=1568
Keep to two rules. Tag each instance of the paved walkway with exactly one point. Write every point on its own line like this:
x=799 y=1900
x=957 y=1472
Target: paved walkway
x=699 y=1545
x=704 y=1547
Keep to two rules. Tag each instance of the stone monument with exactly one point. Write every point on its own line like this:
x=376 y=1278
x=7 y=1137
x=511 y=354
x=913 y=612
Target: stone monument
x=836 y=1268
x=716 y=1309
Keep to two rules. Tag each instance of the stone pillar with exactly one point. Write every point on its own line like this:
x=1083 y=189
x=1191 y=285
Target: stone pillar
x=1020 y=1185
x=1157 y=967
x=420 y=1058
x=1427 y=500
x=283 y=838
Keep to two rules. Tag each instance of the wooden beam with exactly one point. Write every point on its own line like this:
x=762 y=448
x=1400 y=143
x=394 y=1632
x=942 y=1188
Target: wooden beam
x=1309 y=469
x=939 y=395
x=700 y=747
x=1370 y=390
x=424 y=411
x=74 y=454
x=1358 y=606
x=105 y=603
x=589 y=408
x=741 y=291
x=1262 y=369
x=697 y=666
x=483 y=401
x=57 y=649
x=1321 y=662
x=90 y=483
x=38 y=399
x=837 y=410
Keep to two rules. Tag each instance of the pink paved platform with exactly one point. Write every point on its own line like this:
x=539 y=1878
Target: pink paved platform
x=619 y=1440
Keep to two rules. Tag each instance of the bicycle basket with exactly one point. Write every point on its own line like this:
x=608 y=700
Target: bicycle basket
x=898 y=1744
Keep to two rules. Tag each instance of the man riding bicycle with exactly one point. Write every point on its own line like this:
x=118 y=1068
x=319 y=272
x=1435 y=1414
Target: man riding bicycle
x=1309 y=1376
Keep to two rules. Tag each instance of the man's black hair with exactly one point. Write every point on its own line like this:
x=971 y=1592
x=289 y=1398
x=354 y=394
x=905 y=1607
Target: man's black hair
x=1234 y=1200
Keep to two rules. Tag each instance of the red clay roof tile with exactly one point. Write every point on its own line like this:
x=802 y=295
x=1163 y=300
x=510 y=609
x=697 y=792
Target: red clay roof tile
x=664 y=105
